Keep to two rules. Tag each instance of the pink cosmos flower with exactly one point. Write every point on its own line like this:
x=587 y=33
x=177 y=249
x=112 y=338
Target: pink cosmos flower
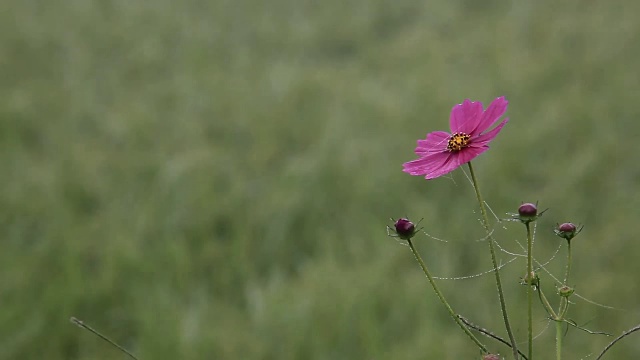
x=441 y=153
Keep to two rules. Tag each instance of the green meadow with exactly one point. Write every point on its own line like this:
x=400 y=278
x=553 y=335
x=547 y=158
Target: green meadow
x=212 y=179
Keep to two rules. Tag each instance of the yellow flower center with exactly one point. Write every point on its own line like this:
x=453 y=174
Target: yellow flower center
x=458 y=141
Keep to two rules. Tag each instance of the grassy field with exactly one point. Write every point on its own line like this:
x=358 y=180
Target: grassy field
x=212 y=179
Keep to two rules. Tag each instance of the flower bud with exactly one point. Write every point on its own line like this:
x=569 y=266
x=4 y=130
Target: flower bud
x=567 y=231
x=567 y=227
x=527 y=213
x=528 y=210
x=403 y=228
x=565 y=291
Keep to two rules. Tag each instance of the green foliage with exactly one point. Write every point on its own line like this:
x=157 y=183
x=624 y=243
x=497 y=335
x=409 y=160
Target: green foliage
x=211 y=180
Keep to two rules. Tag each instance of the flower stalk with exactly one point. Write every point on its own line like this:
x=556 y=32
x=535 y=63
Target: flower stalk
x=568 y=269
x=530 y=285
x=558 y=340
x=485 y=222
x=443 y=300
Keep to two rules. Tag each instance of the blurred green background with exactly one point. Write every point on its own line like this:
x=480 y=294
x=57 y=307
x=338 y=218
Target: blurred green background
x=212 y=179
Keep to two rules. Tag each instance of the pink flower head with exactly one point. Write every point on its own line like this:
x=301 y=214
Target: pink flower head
x=441 y=153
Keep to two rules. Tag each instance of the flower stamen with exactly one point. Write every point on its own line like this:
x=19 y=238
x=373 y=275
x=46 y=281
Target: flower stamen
x=458 y=141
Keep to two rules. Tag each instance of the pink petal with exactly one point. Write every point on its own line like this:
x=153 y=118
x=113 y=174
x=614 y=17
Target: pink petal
x=495 y=110
x=469 y=153
x=433 y=165
x=465 y=117
x=486 y=138
x=435 y=142
x=426 y=164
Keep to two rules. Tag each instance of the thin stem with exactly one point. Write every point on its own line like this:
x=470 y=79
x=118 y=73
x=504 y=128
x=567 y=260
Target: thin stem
x=558 y=340
x=485 y=222
x=530 y=276
x=443 y=300
x=562 y=309
x=546 y=304
x=488 y=334
x=564 y=302
x=81 y=324
x=568 y=269
x=555 y=318
x=624 y=334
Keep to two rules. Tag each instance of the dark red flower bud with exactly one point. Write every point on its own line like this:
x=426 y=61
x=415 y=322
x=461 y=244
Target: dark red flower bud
x=403 y=228
x=567 y=227
x=567 y=231
x=528 y=210
x=527 y=213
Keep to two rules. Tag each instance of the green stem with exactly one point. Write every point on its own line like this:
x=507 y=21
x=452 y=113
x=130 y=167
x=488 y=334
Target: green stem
x=530 y=276
x=562 y=309
x=81 y=324
x=503 y=305
x=555 y=318
x=546 y=304
x=443 y=300
x=568 y=269
x=564 y=302
x=558 y=340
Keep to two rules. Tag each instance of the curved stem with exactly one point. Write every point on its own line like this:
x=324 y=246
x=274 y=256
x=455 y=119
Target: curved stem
x=546 y=304
x=530 y=276
x=485 y=222
x=624 y=334
x=443 y=300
